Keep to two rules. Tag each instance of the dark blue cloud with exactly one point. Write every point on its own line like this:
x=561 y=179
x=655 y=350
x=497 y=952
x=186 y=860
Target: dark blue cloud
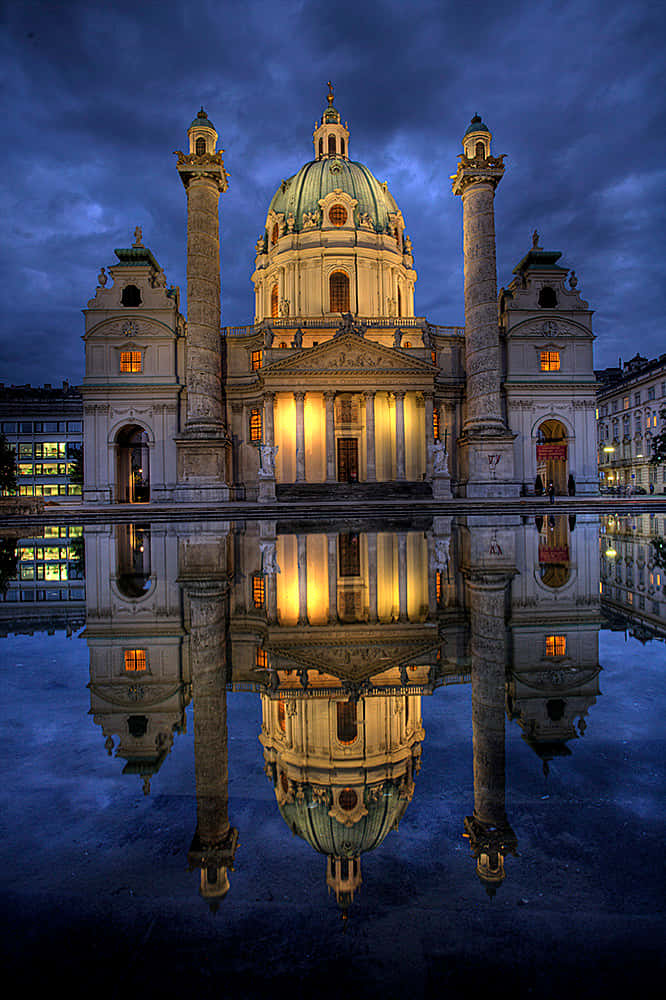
x=98 y=96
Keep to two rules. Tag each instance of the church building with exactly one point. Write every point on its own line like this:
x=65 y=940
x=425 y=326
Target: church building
x=336 y=388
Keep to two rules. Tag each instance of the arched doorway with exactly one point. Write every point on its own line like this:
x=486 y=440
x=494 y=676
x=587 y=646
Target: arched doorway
x=133 y=560
x=133 y=465
x=551 y=455
x=554 y=561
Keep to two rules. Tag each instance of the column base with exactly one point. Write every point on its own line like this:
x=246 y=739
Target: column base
x=486 y=467
x=266 y=491
x=202 y=469
x=441 y=487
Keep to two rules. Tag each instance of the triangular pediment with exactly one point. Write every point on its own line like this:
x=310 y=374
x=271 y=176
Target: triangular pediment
x=349 y=354
x=350 y=661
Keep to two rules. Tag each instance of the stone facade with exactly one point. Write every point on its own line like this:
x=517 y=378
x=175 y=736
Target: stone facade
x=338 y=388
x=630 y=399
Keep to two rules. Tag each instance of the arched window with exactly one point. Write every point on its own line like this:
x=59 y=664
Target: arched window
x=346 y=722
x=331 y=145
x=131 y=296
x=256 y=424
x=200 y=146
x=547 y=298
x=400 y=303
x=338 y=285
x=274 y=302
x=321 y=146
x=275 y=233
x=342 y=147
x=480 y=151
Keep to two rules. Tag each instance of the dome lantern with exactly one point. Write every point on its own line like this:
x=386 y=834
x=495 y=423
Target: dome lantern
x=331 y=137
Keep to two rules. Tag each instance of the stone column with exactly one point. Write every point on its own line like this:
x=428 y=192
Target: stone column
x=400 y=435
x=332 y=578
x=302 y=579
x=300 y=436
x=214 y=842
x=486 y=446
x=372 y=576
x=491 y=837
x=269 y=418
x=329 y=398
x=203 y=445
x=429 y=434
x=371 y=461
x=402 y=575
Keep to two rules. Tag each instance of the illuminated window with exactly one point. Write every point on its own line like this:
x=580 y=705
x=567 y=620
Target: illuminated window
x=135 y=659
x=256 y=360
x=433 y=357
x=346 y=722
x=200 y=146
x=435 y=424
x=556 y=645
x=338 y=215
x=550 y=361
x=625 y=402
x=274 y=302
x=261 y=658
x=258 y=590
x=407 y=343
x=347 y=799
x=339 y=292
x=255 y=424
x=130 y=361
x=438 y=586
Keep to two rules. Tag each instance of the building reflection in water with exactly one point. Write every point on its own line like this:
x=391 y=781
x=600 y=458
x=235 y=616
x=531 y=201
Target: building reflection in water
x=341 y=633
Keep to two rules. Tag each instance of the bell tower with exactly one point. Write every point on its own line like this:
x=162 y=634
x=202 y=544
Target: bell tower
x=485 y=448
x=203 y=445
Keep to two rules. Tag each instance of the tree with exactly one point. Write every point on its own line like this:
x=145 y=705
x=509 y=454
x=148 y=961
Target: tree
x=7 y=467
x=659 y=442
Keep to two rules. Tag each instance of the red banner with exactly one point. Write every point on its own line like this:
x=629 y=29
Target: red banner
x=547 y=452
x=554 y=555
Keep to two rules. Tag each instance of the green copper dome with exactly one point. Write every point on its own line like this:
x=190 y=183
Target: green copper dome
x=202 y=120
x=301 y=193
x=476 y=125
x=310 y=820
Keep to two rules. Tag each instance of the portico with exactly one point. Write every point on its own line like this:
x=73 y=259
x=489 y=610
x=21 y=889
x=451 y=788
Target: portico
x=375 y=426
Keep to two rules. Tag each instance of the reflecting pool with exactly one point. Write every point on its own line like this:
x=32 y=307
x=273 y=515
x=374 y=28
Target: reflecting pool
x=420 y=754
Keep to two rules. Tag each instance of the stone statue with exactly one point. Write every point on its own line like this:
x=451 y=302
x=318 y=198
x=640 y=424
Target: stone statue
x=284 y=307
x=268 y=337
x=441 y=553
x=102 y=278
x=298 y=339
x=267 y=453
x=397 y=337
x=408 y=245
x=290 y=222
x=440 y=459
x=269 y=563
x=535 y=240
x=138 y=234
x=573 y=280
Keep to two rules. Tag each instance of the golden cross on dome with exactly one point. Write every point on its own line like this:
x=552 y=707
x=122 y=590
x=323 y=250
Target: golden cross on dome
x=330 y=92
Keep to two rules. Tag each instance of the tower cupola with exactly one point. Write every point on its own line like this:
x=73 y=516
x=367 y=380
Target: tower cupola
x=476 y=140
x=331 y=137
x=202 y=135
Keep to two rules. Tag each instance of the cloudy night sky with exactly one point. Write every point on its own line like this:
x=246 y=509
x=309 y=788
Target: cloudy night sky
x=98 y=96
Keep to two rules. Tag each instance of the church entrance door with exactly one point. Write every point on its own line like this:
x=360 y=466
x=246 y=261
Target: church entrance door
x=552 y=455
x=133 y=465
x=347 y=460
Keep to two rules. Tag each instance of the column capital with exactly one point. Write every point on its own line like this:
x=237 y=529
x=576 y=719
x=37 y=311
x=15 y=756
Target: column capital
x=299 y=396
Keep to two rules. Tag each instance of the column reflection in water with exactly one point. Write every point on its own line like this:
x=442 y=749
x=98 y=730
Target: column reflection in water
x=204 y=564
x=341 y=632
x=488 y=566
